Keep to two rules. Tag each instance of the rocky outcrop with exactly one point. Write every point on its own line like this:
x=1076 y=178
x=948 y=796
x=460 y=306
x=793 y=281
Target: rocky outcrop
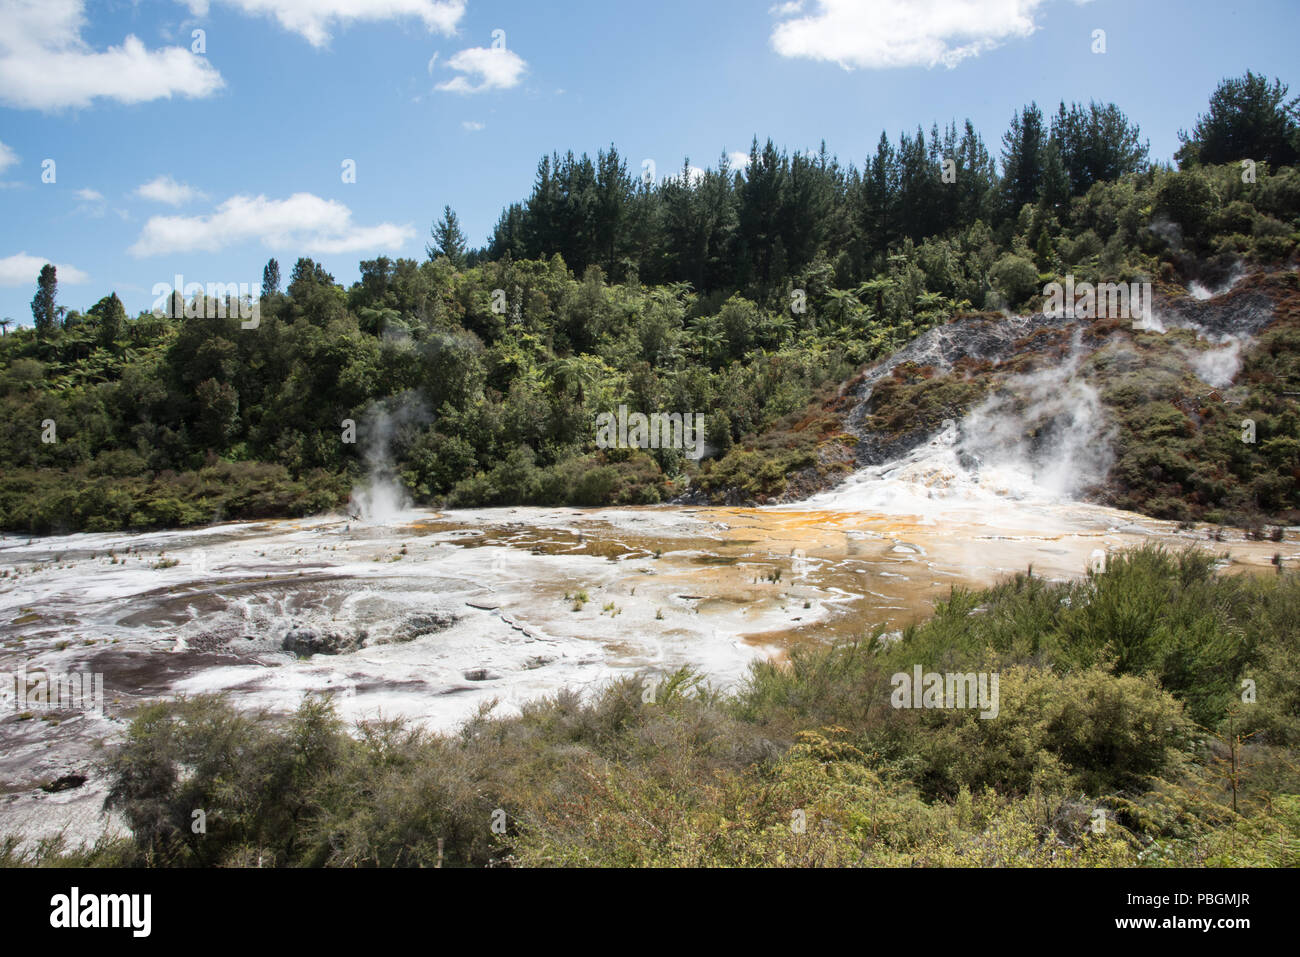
x=306 y=642
x=987 y=338
x=424 y=624
x=1245 y=310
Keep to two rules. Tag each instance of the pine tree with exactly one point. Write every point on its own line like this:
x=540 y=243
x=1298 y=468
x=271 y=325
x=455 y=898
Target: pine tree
x=540 y=210
x=1097 y=144
x=762 y=203
x=976 y=177
x=1054 y=186
x=307 y=276
x=613 y=196
x=448 y=240
x=718 y=199
x=878 y=203
x=508 y=239
x=271 y=278
x=1248 y=119
x=1022 y=159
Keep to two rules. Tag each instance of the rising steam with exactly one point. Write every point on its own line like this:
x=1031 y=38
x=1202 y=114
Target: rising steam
x=383 y=499
x=1043 y=435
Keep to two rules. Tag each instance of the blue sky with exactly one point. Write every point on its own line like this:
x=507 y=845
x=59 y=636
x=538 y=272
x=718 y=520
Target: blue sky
x=207 y=164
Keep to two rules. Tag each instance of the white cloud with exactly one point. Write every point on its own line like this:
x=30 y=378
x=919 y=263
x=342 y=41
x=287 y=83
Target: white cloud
x=313 y=19
x=92 y=202
x=484 y=68
x=883 y=34
x=164 y=189
x=473 y=126
x=302 y=222
x=21 y=269
x=45 y=65
x=7 y=157
x=739 y=160
x=362 y=238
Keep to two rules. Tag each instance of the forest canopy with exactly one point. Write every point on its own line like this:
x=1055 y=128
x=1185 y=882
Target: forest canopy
x=749 y=295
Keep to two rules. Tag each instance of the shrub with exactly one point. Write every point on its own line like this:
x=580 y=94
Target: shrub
x=1016 y=278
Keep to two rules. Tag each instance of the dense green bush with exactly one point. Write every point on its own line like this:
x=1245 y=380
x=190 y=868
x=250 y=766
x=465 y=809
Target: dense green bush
x=1015 y=278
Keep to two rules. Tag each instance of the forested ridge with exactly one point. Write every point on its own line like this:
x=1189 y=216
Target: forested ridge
x=747 y=295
